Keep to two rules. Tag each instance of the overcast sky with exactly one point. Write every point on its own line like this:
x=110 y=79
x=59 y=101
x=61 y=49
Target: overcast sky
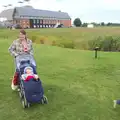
x=86 y=10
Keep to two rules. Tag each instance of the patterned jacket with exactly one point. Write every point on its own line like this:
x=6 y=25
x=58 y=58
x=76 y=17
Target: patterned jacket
x=16 y=48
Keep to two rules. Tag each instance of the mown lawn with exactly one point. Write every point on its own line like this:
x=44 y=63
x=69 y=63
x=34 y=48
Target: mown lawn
x=78 y=86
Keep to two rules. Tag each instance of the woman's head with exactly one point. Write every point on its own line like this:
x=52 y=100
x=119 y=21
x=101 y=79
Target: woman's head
x=22 y=35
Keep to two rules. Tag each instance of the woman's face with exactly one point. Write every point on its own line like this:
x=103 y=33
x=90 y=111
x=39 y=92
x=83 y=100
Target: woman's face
x=21 y=36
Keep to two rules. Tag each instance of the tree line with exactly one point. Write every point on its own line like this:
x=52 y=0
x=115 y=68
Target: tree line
x=78 y=23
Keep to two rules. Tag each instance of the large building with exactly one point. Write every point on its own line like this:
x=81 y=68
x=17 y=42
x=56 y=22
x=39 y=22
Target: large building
x=28 y=17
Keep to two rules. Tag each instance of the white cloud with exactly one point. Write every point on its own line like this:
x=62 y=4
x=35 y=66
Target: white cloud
x=85 y=9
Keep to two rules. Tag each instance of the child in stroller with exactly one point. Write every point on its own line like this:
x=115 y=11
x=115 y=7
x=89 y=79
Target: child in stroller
x=30 y=86
x=29 y=74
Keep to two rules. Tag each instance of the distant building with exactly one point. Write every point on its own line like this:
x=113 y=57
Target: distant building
x=90 y=26
x=28 y=17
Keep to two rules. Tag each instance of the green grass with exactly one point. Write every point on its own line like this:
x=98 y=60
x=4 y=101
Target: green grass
x=77 y=38
x=78 y=86
x=76 y=34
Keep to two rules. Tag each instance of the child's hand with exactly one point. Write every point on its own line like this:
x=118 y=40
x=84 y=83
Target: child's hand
x=23 y=77
x=36 y=77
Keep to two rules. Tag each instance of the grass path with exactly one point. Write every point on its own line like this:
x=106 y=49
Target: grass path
x=78 y=87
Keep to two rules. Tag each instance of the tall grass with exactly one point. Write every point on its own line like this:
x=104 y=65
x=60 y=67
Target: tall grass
x=108 y=39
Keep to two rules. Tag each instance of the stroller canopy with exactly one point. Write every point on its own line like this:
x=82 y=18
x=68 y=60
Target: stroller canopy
x=25 y=59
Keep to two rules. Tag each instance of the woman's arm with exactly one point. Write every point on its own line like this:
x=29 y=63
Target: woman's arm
x=31 y=49
x=12 y=49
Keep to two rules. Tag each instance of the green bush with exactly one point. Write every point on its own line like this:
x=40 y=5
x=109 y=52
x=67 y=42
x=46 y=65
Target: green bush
x=107 y=43
x=66 y=43
x=117 y=43
x=97 y=42
x=53 y=43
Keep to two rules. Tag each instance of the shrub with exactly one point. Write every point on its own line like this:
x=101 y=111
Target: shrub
x=81 y=44
x=105 y=43
x=53 y=43
x=66 y=43
x=117 y=43
x=108 y=43
x=95 y=42
x=34 y=38
x=43 y=39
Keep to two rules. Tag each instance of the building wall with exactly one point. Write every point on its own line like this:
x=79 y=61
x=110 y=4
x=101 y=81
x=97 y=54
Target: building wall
x=66 y=23
x=36 y=23
x=24 y=23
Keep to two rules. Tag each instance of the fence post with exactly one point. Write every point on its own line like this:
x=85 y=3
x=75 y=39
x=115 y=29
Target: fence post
x=96 y=50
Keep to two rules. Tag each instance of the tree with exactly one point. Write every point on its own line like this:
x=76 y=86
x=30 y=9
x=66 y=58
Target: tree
x=77 y=22
x=84 y=25
x=109 y=24
x=102 y=24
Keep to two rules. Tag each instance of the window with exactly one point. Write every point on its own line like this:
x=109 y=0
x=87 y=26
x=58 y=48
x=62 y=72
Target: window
x=38 y=21
x=34 y=21
x=44 y=21
x=47 y=21
x=41 y=21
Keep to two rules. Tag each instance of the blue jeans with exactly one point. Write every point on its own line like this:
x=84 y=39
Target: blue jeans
x=118 y=101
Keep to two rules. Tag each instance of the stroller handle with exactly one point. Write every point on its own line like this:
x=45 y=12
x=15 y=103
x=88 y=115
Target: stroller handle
x=25 y=57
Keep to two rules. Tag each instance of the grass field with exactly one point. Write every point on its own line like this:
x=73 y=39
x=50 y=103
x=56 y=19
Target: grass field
x=76 y=34
x=78 y=86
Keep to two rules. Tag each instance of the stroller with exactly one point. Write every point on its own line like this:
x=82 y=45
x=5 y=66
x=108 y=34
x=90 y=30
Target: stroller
x=31 y=91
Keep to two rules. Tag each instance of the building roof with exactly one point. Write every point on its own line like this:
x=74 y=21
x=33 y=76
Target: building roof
x=7 y=14
x=28 y=11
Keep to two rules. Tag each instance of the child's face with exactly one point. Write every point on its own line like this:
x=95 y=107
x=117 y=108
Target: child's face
x=28 y=71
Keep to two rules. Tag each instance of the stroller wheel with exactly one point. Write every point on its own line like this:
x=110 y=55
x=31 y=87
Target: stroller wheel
x=20 y=94
x=45 y=100
x=28 y=105
x=23 y=104
x=42 y=101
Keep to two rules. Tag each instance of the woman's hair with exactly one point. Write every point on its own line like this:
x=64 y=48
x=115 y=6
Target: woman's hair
x=24 y=33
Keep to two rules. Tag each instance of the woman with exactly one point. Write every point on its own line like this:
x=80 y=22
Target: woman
x=19 y=47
